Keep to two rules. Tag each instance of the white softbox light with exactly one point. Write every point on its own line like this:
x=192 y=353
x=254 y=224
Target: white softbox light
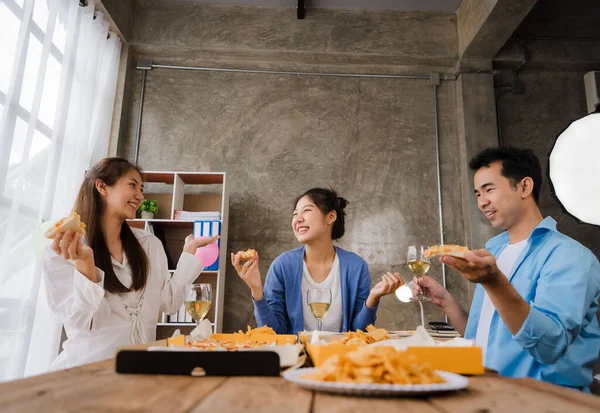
x=575 y=169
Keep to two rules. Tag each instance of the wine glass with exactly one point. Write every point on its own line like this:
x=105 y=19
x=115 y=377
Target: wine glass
x=418 y=264
x=319 y=301
x=198 y=299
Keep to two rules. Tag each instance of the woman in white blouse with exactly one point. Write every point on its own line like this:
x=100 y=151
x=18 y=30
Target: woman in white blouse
x=108 y=289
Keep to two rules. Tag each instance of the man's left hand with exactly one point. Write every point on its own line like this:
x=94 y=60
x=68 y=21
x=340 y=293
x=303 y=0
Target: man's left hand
x=478 y=266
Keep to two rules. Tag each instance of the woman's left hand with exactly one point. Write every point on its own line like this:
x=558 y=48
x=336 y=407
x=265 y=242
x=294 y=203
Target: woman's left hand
x=192 y=244
x=389 y=284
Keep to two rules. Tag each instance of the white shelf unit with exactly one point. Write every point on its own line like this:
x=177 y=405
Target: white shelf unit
x=186 y=191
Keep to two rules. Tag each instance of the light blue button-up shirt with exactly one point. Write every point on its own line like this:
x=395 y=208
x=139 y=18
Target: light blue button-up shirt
x=560 y=338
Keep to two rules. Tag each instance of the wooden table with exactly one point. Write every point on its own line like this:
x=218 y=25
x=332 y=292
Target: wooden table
x=97 y=388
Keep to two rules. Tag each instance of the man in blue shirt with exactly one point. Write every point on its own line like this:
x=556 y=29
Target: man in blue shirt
x=534 y=308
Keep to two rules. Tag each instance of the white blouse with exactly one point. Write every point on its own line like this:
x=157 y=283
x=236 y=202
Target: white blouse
x=116 y=319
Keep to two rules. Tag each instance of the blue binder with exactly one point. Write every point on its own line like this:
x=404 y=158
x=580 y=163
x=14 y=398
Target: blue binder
x=204 y=228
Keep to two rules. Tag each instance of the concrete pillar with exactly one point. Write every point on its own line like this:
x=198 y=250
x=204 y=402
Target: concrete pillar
x=477 y=129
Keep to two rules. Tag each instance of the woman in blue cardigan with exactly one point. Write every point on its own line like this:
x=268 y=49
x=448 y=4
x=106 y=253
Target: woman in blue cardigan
x=318 y=219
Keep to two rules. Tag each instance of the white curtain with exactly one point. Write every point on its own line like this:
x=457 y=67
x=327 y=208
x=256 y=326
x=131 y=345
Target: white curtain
x=58 y=73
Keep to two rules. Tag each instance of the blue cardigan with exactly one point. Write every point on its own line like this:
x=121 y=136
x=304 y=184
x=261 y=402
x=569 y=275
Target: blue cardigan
x=281 y=306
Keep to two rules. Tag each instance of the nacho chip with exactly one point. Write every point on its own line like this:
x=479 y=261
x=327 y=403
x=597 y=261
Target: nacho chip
x=377 y=365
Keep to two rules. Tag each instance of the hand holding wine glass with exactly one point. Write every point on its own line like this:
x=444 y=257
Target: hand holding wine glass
x=418 y=264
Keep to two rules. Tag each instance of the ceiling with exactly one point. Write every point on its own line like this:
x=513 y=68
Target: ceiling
x=561 y=19
x=448 y=6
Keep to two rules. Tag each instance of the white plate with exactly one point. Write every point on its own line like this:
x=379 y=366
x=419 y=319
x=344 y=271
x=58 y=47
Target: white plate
x=453 y=382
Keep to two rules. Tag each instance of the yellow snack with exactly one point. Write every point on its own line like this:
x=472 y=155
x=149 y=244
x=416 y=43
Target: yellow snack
x=255 y=331
x=177 y=341
x=224 y=344
x=372 y=335
x=375 y=365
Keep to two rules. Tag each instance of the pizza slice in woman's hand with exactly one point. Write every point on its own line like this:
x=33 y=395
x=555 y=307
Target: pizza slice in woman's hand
x=71 y=221
x=246 y=255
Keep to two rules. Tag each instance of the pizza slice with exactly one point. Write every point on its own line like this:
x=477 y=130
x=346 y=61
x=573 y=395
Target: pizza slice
x=457 y=251
x=71 y=221
x=246 y=255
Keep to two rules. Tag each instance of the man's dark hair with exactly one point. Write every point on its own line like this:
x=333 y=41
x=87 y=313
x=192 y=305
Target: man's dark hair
x=516 y=164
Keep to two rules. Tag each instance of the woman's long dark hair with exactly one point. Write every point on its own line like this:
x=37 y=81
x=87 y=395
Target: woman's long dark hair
x=90 y=207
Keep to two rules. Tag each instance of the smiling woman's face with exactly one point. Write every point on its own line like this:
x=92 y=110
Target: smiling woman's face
x=125 y=196
x=310 y=223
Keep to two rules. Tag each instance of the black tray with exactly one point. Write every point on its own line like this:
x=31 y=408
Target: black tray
x=200 y=363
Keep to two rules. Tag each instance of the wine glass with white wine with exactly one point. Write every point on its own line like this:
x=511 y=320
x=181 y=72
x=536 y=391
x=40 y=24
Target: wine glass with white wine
x=198 y=299
x=418 y=264
x=319 y=301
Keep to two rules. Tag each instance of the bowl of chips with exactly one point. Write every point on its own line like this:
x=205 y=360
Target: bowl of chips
x=371 y=370
x=343 y=343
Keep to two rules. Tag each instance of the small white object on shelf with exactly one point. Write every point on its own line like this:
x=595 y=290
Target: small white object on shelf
x=181 y=314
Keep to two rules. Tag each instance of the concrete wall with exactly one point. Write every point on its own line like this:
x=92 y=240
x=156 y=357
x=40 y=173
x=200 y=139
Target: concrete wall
x=277 y=135
x=121 y=13
x=485 y=25
x=552 y=99
x=352 y=40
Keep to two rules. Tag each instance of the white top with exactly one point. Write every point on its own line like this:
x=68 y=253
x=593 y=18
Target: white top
x=506 y=261
x=334 y=317
x=116 y=319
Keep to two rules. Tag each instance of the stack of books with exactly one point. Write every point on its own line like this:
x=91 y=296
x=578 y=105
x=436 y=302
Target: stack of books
x=192 y=216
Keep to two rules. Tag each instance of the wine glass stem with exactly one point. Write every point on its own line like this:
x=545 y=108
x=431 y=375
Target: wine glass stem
x=319 y=325
x=422 y=314
x=420 y=295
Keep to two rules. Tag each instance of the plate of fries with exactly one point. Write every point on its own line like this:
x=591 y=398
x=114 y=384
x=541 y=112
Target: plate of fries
x=373 y=371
